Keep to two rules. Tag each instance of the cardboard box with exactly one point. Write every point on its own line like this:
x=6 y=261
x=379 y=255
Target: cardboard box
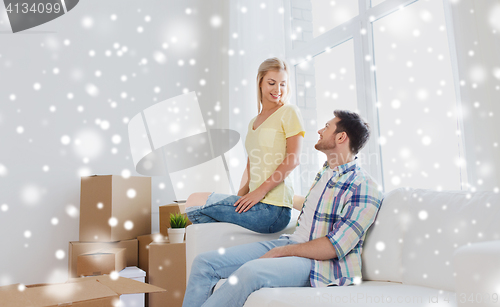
x=96 y=291
x=167 y=269
x=101 y=262
x=165 y=216
x=114 y=208
x=78 y=248
x=144 y=242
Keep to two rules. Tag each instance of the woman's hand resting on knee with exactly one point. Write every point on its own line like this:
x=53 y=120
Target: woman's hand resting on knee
x=249 y=200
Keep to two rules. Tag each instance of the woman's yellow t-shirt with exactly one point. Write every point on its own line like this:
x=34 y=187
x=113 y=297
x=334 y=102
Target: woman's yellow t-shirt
x=266 y=149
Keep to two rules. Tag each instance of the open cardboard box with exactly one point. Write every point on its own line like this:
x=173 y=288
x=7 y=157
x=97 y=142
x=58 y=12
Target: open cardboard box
x=97 y=291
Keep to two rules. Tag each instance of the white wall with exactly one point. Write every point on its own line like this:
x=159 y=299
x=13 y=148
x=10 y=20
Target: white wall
x=477 y=35
x=31 y=197
x=256 y=33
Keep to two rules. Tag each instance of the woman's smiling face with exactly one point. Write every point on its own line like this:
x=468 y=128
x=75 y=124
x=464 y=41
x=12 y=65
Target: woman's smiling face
x=273 y=86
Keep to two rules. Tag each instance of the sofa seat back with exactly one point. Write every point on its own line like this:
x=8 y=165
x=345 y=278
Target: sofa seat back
x=417 y=231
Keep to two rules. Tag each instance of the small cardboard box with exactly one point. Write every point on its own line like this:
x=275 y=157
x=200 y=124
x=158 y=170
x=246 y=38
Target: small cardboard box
x=167 y=269
x=101 y=262
x=165 y=216
x=114 y=208
x=78 y=248
x=96 y=291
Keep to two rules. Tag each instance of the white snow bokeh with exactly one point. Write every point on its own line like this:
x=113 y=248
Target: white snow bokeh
x=126 y=173
x=113 y=221
x=216 y=21
x=423 y=215
x=87 y=22
x=128 y=225
x=88 y=143
x=478 y=74
x=380 y=246
x=160 y=57
x=233 y=280
x=3 y=170
x=60 y=254
x=31 y=194
x=72 y=211
x=114 y=275
x=131 y=193
x=92 y=90
x=494 y=17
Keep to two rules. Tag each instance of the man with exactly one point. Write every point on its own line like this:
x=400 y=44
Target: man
x=325 y=248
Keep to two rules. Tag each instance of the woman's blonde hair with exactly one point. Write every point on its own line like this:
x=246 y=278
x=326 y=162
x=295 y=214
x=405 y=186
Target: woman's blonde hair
x=272 y=64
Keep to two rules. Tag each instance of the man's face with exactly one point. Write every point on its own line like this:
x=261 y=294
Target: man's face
x=327 y=136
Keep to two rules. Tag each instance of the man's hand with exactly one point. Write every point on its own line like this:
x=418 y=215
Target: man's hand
x=281 y=251
x=248 y=201
x=317 y=249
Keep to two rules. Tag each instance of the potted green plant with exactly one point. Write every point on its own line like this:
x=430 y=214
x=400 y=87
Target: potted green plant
x=177 y=228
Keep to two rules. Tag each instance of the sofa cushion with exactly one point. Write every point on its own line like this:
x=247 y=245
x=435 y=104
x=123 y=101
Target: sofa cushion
x=441 y=222
x=382 y=250
x=369 y=293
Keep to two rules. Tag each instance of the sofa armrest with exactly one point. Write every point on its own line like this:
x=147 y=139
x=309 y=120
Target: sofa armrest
x=201 y=238
x=478 y=274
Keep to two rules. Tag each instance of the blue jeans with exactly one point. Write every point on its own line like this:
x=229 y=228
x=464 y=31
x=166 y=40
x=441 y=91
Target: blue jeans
x=246 y=274
x=263 y=218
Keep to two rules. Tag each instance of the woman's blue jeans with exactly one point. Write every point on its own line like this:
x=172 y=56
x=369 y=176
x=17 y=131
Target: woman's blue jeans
x=263 y=218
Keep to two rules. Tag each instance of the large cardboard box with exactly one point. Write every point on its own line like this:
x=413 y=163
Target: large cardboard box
x=96 y=291
x=101 y=262
x=114 y=208
x=78 y=248
x=167 y=269
x=165 y=215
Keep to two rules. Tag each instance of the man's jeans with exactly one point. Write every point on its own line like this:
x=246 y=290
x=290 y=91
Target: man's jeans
x=245 y=272
x=263 y=218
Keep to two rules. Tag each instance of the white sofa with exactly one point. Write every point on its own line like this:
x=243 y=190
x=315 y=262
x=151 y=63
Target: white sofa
x=426 y=248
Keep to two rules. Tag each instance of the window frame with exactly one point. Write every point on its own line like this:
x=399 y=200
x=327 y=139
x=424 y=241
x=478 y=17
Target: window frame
x=366 y=85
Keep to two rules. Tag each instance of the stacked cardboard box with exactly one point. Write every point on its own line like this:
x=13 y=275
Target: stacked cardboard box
x=114 y=211
x=115 y=214
x=165 y=263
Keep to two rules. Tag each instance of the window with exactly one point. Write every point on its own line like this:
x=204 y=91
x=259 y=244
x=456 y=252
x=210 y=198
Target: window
x=324 y=83
x=417 y=116
x=406 y=92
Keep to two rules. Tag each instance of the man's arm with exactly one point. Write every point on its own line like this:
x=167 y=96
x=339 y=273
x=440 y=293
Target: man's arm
x=298 y=202
x=318 y=249
x=357 y=216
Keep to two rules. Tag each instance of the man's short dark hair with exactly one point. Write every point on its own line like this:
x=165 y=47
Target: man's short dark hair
x=356 y=128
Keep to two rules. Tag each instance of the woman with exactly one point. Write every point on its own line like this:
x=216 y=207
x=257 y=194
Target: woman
x=273 y=145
